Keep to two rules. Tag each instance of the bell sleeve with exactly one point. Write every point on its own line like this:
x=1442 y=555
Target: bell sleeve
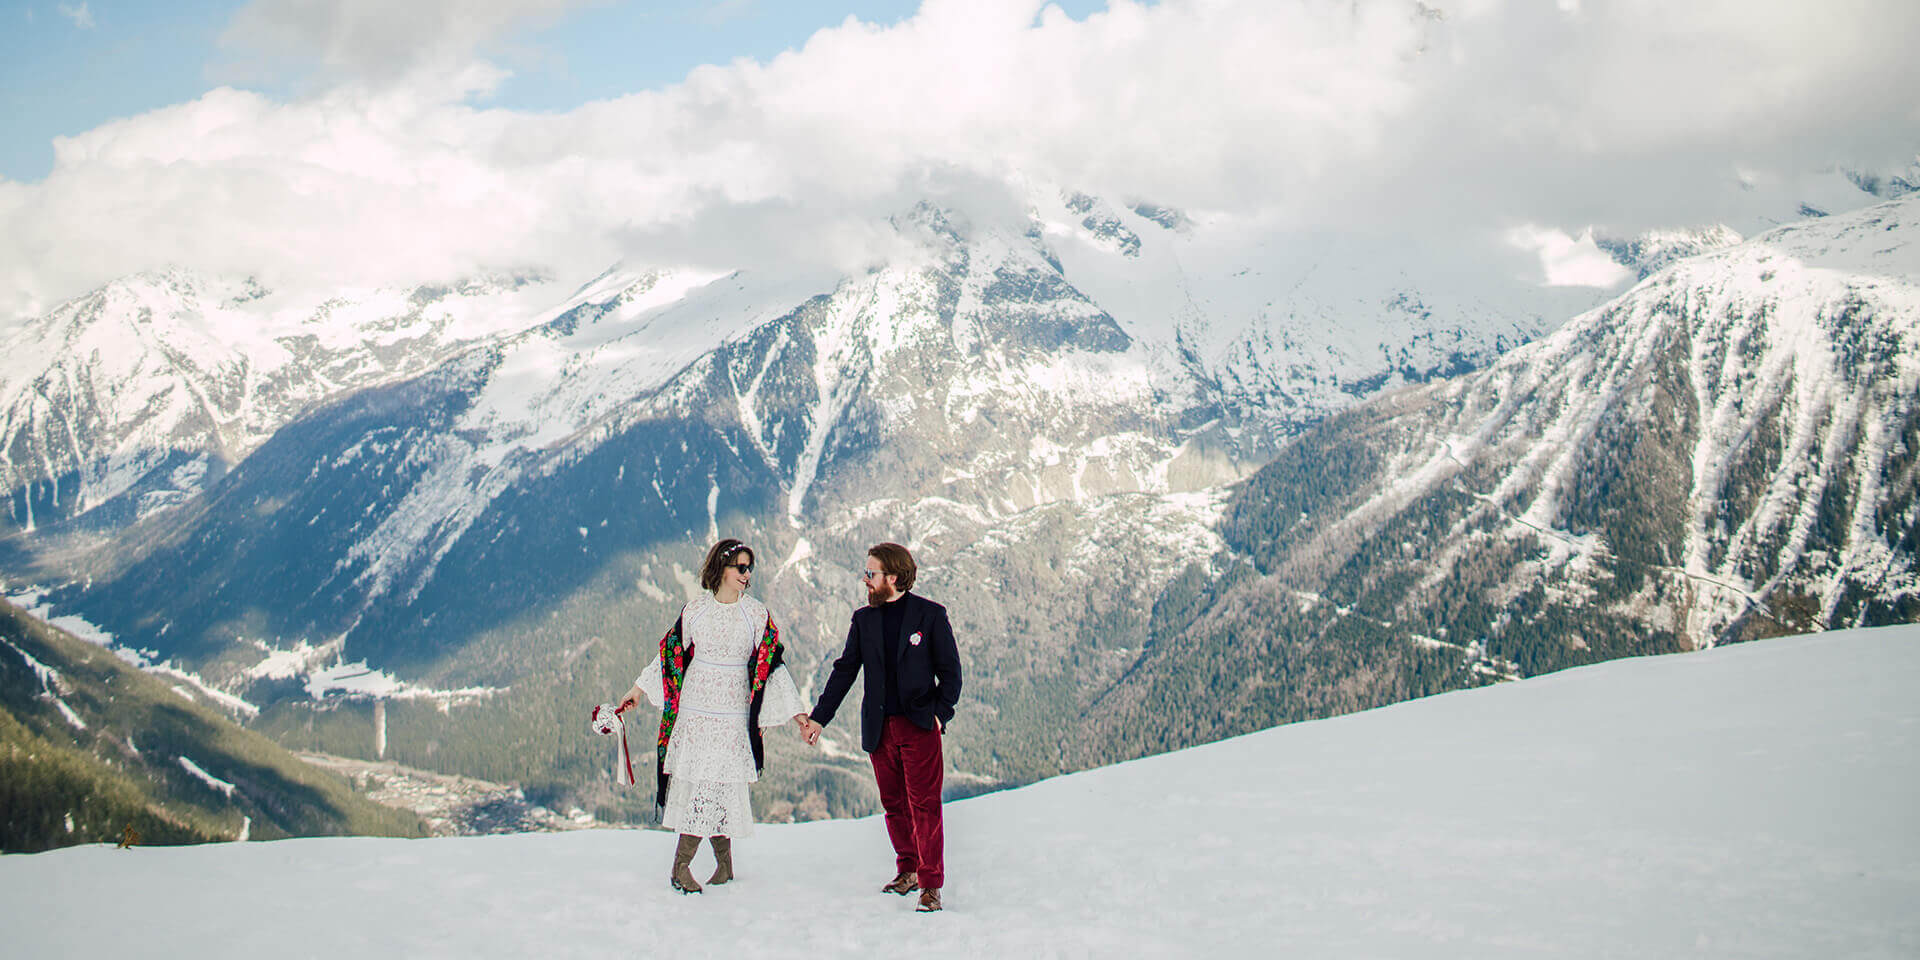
x=649 y=683
x=780 y=699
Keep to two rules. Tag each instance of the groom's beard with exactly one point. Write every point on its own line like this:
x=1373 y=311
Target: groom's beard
x=878 y=597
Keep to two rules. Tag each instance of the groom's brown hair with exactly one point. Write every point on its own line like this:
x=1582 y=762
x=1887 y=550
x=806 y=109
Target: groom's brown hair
x=895 y=559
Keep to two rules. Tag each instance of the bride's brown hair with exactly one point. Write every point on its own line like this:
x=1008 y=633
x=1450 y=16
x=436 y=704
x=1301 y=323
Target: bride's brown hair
x=717 y=560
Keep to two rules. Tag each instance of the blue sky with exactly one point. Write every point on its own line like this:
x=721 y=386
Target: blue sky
x=64 y=72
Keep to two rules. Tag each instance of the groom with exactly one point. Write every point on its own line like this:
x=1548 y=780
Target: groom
x=905 y=644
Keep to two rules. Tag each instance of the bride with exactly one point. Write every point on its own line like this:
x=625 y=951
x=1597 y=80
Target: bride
x=718 y=680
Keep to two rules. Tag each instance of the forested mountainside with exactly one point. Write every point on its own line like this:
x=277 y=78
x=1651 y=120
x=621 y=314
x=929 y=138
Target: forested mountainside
x=90 y=746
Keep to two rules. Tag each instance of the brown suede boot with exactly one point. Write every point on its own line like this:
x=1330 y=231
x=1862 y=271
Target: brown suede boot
x=723 y=861
x=907 y=882
x=682 y=858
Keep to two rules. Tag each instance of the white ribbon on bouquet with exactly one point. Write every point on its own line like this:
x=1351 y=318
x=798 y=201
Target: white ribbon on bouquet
x=608 y=721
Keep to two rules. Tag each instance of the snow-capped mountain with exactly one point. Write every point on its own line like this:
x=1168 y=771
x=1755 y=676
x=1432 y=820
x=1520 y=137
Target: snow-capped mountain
x=992 y=365
x=1766 y=203
x=1752 y=801
x=138 y=395
x=991 y=368
x=1727 y=451
x=1045 y=409
x=1051 y=409
x=1735 y=435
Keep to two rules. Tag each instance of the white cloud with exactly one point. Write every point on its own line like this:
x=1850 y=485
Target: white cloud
x=80 y=15
x=1365 y=115
x=1567 y=261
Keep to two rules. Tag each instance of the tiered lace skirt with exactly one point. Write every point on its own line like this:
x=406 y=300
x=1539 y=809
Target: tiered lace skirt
x=709 y=757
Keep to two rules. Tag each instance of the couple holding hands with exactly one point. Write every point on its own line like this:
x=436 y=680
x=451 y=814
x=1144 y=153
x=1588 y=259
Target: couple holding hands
x=720 y=679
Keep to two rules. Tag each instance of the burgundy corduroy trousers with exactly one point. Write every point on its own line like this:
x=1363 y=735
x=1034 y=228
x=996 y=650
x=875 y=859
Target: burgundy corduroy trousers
x=909 y=768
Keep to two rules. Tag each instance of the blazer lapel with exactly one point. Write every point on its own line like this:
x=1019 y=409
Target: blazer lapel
x=910 y=619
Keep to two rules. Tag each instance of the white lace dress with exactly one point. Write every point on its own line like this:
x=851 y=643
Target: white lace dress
x=708 y=756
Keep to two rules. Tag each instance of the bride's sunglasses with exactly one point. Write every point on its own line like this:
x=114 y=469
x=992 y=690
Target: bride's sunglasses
x=744 y=568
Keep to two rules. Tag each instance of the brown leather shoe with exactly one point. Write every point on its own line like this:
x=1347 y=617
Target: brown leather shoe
x=907 y=882
x=929 y=900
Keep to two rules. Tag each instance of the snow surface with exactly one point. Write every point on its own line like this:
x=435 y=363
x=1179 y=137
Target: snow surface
x=1747 y=801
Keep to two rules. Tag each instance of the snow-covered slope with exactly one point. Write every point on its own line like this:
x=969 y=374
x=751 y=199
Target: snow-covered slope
x=1587 y=814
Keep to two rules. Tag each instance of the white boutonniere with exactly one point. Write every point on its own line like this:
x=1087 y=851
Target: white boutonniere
x=914 y=638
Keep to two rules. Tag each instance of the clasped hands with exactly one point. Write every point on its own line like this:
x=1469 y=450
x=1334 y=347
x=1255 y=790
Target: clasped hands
x=811 y=731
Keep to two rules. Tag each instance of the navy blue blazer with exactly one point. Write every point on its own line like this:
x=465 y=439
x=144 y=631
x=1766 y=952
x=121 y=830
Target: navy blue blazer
x=926 y=668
